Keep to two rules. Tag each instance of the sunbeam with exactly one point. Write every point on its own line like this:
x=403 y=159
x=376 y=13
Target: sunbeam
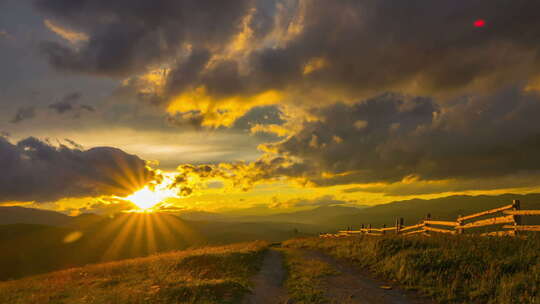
x=151 y=195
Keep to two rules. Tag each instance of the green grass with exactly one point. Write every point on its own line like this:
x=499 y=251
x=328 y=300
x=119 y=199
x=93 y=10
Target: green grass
x=449 y=269
x=305 y=277
x=205 y=275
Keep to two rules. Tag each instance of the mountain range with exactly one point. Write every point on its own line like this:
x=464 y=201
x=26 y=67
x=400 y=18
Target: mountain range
x=324 y=217
x=35 y=241
x=445 y=208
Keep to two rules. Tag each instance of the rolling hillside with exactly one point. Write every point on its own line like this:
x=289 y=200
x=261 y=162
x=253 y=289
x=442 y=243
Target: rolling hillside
x=30 y=249
x=338 y=217
x=441 y=208
x=205 y=275
x=33 y=248
x=318 y=216
x=447 y=269
x=21 y=215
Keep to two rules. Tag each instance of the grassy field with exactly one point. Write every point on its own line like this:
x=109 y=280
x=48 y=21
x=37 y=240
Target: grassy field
x=447 y=269
x=304 y=281
x=205 y=275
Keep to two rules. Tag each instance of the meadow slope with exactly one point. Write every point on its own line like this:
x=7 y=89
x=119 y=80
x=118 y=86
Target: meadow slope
x=204 y=275
x=29 y=249
x=448 y=269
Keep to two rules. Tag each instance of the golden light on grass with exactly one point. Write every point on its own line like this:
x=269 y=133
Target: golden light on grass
x=207 y=274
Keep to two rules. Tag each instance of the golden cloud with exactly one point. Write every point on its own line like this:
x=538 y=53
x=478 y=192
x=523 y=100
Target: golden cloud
x=69 y=35
x=219 y=112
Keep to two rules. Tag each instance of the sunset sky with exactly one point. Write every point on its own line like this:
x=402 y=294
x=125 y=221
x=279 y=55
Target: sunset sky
x=274 y=105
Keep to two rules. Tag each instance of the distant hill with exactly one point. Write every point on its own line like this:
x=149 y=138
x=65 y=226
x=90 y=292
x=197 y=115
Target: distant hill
x=441 y=208
x=319 y=216
x=30 y=249
x=203 y=216
x=85 y=220
x=21 y=215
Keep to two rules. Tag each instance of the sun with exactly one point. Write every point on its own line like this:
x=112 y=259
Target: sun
x=145 y=198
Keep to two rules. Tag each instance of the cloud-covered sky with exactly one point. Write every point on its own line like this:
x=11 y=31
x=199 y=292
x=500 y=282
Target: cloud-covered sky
x=256 y=102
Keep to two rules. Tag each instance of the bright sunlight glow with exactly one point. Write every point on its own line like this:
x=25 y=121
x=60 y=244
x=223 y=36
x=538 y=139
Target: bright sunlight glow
x=147 y=198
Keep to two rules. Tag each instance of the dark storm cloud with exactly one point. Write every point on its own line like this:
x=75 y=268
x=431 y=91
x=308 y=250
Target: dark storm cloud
x=192 y=119
x=392 y=137
x=127 y=36
x=61 y=107
x=187 y=71
x=411 y=144
x=33 y=170
x=317 y=50
x=259 y=116
x=24 y=113
x=365 y=47
x=69 y=103
x=433 y=42
x=356 y=48
x=381 y=45
x=66 y=103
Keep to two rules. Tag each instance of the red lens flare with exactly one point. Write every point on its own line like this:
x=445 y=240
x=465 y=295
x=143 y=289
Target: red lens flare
x=480 y=23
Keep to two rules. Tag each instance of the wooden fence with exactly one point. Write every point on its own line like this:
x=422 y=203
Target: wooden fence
x=508 y=218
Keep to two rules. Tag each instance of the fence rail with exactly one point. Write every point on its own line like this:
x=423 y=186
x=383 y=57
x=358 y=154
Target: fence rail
x=508 y=216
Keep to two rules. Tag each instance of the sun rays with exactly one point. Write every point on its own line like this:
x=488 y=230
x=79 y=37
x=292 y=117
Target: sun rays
x=140 y=234
x=150 y=196
x=145 y=229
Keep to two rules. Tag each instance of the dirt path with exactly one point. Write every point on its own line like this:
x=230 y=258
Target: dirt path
x=268 y=283
x=350 y=286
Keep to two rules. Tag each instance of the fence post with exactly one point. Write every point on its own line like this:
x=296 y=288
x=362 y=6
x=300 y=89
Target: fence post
x=384 y=231
x=517 y=219
x=369 y=228
x=460 y=223
x=428 y=217
x=397 y=226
